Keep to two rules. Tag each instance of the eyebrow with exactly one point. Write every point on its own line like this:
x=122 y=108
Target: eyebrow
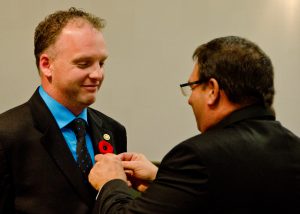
x=88 y=58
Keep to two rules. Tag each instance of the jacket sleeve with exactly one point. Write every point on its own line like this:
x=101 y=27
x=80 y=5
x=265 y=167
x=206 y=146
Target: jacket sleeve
x=180 y=187
x=6 y=190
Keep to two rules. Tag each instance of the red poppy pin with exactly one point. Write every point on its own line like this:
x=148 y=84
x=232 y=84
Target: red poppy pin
x=105 y=147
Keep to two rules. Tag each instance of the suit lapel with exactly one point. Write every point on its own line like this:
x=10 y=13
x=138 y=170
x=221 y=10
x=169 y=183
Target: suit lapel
x=54 y=143
x=99 y=132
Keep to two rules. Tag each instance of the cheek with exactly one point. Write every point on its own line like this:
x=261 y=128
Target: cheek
x=191 y=99
x=195 y=103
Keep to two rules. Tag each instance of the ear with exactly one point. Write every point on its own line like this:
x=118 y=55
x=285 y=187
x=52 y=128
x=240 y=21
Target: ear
x=45 y=65
x=213 y=92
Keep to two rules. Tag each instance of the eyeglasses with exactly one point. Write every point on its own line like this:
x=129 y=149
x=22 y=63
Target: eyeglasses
x=186 y=91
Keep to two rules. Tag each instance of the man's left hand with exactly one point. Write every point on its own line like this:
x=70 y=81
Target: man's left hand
x=106 y=168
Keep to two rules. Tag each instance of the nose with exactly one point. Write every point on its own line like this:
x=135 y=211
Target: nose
x=190 y=100
x=97 y=73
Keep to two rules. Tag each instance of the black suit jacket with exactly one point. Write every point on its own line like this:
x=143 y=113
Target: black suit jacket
x=248 y=163
x=38 y=173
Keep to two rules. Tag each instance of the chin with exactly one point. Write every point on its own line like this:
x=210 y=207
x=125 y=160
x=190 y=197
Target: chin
x=88 y=102
x=200 y=129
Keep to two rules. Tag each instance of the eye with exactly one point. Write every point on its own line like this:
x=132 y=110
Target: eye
x=83 y=64
x=101 y=64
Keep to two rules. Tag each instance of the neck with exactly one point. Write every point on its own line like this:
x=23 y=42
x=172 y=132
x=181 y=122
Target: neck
x=218 y=111
x=75 y=108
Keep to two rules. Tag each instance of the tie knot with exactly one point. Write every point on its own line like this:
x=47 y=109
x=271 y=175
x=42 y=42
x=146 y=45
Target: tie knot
x=78 y=125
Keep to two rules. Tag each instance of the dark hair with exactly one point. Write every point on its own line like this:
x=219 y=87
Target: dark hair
x=242 y=69
x=49 y=29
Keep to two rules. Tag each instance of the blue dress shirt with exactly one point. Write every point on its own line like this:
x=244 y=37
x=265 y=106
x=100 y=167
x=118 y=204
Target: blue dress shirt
x=63 y=117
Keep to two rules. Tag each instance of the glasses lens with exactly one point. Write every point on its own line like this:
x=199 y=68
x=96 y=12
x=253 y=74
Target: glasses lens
x=186 y=90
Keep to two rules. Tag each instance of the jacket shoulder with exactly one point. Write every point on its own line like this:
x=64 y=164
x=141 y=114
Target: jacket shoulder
x=99 y=116
x=15 y=117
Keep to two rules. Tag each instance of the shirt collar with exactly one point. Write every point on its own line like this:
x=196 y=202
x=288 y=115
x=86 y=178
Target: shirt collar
x=254 y=111
x=62 y=115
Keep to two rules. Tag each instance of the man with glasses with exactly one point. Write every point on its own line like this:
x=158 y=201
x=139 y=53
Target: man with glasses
x=244 y=161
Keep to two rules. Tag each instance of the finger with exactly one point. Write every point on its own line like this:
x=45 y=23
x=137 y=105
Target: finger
x=126 y=156
x=128 y=172
x=98 y=157
x=121 y=155
x=131 y=165
x=129 y=183
x=111 y=155
x=142 y=188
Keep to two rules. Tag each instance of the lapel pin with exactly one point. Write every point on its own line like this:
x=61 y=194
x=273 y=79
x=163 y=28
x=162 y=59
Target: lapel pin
x=106 y=137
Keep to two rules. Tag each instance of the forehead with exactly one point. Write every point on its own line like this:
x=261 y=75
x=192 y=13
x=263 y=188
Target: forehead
x=80 y=35
x=77 y=25
x=195 y=73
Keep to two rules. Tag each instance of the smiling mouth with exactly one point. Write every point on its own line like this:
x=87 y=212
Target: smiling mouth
x=91 y=87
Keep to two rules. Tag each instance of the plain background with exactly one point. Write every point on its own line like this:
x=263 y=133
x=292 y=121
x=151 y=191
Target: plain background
x=150 y=45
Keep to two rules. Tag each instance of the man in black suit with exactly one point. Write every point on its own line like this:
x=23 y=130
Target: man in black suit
x=244 y=161
x=42 y=169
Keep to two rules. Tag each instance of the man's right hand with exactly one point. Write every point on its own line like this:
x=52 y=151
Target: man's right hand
x=139 y=170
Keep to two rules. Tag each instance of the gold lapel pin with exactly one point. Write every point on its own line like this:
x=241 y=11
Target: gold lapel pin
x=106 y=137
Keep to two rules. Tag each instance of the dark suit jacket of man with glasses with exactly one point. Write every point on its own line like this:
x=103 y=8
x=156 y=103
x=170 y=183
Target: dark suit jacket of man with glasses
x=38 y=166
x=244 y=161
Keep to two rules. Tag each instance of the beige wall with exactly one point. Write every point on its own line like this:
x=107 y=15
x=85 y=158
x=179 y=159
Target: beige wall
x=150 y=44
